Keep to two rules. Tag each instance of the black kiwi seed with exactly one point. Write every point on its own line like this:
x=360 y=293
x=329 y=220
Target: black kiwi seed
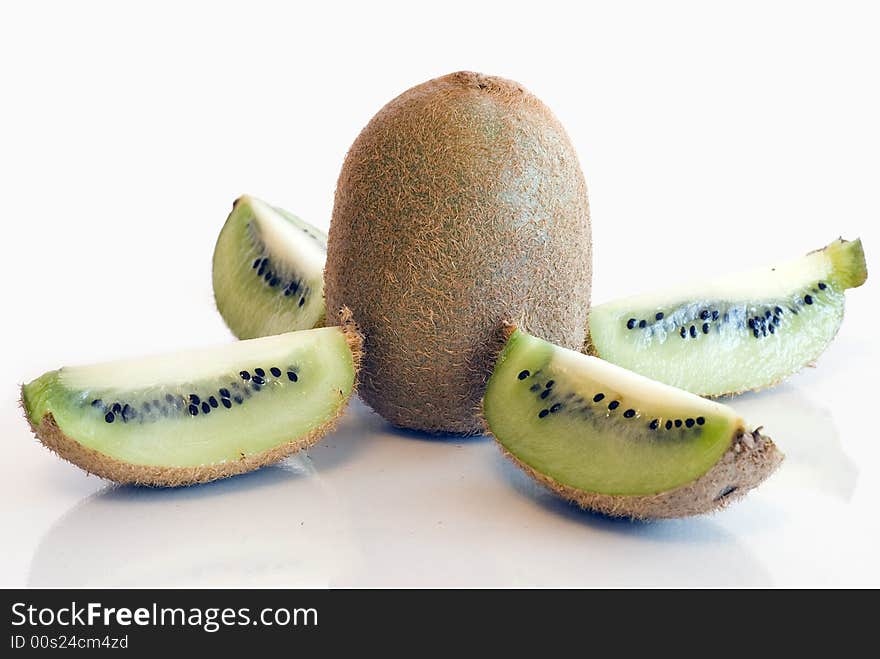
x=726 y=317
x=226 y=403
x=522 y=375
x=206 y=408
x=683 y=333
x=245 y=375
x=643 y=324
x=543 y=413
x=257 y=263
x=715 y=315
x=128 y=412
x=224 y=393
x=693 y=332
x=213 y=401
x=629 y=414
x=97 y=403
x=776 y=320
x=772 y=328
x=705 y=328
x=195 y=399
x=259 y=380
x=630 y=323
x=777 y=311
x=700 y=421
x=669 y=425
x=767 y=314
x=256 y=386
x=117 y=408
x=193 y=410
x=555 y=408
x=262 y=268
x=238 y=399
x=598 y=397
x=274 y=282
x=689 y=423
x=808 y=299
x=756 y=332
x=302 y=301
x=550 y=384
x=678 y=423
x=704 y=314
x=822 y=285
x=260 y=372
x=288 y=292
x=654 y=424
x=614 y=404
x=659 y=316
x=109 y=417
x=268 y=275
x=751 y=323
x=275 y=371
x=545 y=393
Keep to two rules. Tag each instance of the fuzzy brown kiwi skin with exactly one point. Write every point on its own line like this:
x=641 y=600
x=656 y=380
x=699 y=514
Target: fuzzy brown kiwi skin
x=461 y=203
x=125 y=473
x=749 y=461
x=751 y=458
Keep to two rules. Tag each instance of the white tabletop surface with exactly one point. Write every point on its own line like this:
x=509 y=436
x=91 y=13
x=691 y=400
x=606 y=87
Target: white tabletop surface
x=712 y=140
x=372 y=506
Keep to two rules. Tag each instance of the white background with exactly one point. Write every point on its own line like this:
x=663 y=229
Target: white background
x=713 y=137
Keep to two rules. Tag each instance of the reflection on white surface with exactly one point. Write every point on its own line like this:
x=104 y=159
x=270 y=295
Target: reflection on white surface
x=814 y=457
x=373 y=506
x=279 y=526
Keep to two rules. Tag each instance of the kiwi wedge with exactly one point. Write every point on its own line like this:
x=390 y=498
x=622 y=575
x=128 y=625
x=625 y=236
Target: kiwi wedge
x=616 y=442
x=741 y=332
x=197 y=416
x=268 y=271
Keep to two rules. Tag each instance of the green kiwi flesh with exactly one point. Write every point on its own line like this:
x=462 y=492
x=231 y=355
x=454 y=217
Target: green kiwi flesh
x=615 y=441
x=268 y=271
x=741 y=332
x=197 y=416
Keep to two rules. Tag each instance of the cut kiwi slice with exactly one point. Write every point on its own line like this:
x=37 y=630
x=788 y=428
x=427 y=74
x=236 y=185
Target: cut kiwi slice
x=616 y=442
x=268 y=271
x=197 y=416
x=740 y=332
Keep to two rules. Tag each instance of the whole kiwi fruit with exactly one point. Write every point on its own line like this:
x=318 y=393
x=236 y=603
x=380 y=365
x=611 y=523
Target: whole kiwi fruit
x=459 y=207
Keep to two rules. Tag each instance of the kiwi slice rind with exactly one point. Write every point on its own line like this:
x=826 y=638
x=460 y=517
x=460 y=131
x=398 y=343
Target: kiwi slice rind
x=198 y=416
x=741 y=332
x=614 y=441
x=268 y=271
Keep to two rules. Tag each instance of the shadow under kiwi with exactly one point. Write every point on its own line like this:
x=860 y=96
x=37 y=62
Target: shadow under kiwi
x=690 y=552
